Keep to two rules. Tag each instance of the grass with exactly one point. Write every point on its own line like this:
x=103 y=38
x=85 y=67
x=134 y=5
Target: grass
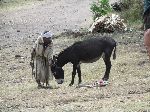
x=128 y=90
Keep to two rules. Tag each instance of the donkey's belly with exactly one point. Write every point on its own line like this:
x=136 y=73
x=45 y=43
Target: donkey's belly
x=90 y=60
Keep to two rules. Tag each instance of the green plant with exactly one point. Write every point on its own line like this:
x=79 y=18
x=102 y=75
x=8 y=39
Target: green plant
x=100 y=8
x=133 y=13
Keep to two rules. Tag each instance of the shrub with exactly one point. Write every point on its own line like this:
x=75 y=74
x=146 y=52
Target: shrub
x=100 y=8
x=134 y=12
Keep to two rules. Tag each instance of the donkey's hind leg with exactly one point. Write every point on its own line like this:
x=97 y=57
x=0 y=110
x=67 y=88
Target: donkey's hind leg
x=107 y=61
x=79 y=73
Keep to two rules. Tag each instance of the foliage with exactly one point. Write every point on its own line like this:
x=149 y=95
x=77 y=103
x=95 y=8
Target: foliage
x=100 y=8
x=133 y=13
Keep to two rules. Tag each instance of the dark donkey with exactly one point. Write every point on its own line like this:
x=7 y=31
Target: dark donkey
x=86 y=51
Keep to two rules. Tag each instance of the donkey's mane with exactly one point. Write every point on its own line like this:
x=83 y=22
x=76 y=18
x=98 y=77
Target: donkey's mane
x=64 y=50
x=68 y=48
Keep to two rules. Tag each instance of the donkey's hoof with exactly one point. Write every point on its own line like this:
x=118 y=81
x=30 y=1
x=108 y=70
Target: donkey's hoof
x=103 y=83
x=39 y=86
x=79 y=83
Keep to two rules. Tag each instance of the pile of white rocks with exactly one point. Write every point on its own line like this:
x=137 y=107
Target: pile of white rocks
x=108 y=24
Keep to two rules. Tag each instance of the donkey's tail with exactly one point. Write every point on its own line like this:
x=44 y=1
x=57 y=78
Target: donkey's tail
x=114 y=54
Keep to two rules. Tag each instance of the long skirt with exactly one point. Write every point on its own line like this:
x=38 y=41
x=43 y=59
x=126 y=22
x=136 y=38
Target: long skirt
x=43 y=70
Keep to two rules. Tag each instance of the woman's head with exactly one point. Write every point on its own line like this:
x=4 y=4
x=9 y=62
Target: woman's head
x=47 y=37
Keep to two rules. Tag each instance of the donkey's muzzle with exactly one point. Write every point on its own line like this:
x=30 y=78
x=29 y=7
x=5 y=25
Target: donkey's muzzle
x=59 y=81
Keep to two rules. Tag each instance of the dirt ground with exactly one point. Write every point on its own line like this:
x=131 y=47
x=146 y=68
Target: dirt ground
x=129 y=88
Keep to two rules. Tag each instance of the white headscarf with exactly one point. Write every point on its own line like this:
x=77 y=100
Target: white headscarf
x=47 y=34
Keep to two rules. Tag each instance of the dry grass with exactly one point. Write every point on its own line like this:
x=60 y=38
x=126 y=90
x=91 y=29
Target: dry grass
x=128 y=90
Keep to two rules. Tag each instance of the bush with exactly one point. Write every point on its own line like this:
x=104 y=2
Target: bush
x=133 y=13
x=131 y=10
x=100 y=8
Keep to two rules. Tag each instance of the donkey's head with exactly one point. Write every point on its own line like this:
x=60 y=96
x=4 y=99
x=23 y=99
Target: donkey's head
x=57 y=71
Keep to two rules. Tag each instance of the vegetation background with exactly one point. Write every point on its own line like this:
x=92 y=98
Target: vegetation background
x=132 y=10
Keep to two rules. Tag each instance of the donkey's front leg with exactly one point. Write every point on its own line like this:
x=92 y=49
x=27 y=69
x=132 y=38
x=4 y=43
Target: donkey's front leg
x=79 y=73
x=73 y=74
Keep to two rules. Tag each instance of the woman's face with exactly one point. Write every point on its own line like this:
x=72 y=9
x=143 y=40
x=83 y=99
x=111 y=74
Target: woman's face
x=47 y=40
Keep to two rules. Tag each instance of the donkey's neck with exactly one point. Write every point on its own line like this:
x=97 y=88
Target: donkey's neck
x=63 y=57
x=61 y=62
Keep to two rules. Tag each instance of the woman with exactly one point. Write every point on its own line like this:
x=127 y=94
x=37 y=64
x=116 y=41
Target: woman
x=42 y=56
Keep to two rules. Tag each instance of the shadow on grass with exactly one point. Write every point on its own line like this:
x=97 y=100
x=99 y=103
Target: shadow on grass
x=47 y=87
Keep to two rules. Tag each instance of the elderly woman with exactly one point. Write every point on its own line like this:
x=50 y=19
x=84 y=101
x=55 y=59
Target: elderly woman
x=42 y=56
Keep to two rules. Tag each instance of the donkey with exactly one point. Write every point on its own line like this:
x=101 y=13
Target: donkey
x=86 y=51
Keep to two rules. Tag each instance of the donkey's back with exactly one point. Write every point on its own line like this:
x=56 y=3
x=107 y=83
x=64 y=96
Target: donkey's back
x=92 y=49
